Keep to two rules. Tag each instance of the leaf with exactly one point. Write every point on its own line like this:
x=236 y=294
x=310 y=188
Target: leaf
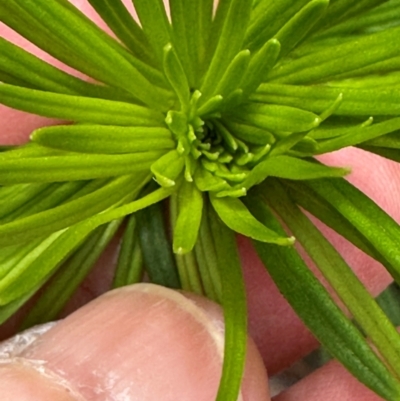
x=155 y=24
x=96 y=47
x=297 y=28
x=339 y=275
x=189 y=211
x=24 y=69
x=268 y=18
x=62 y=216
x=43 y=265
x=234 y=307
x=159 y=265
x=109 y=139
x=335 y=61
x=168 y=168
x=238 y=218
x=292 y=168
x=276 y=118
x=176 y=76
x=371 y=221
x=67 y=279
x=129 y=268
x=74 y=167
x=260 y=64
x=315 y=307
x=229 y=42
x=358 y=135
x=121 y=22
x=318 y=98
x=233 y=75
x=78 y=108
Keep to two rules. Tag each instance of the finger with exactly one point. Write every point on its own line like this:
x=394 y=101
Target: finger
x=279 y=334
x=142 y=342
x=329 y=383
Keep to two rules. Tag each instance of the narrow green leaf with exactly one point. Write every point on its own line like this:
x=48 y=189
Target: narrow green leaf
x=276 y=118
x=60 y=217
x=260 y=64
x=320 y=208
x=27 y=70
x=191 y=24
x=48 y=259
x=235 y=310
x=207 y=258
x=168 y=168
x=190 y=208
x=68 y=278
x=74 y=167
x=372 y=222
x=292 y=168
x=313 y=304
x=121 y=22
x=129 y=268
x=176 y=76
x=268 y=19
x=104 y=139
x=233 y=75
x=348 y=57
x=20 y=194
x=358 y=135
x=318 y=98
x=155 y=24
x=95 y=46
x=297 y=28
x=249 y=133
x=78 y=108
x=238 y=218
x=187 y=264
x=206 y=181
x=356 y=298
x=229 y=42
x=343 y=10
x=159 y=265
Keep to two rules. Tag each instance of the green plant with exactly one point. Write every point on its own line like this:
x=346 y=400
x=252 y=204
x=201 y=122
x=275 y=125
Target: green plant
x=226 y=113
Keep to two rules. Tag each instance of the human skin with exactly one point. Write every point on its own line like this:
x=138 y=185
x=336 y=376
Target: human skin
x=279 y=335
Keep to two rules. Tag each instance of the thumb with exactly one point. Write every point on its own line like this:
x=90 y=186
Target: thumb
x=142 y=342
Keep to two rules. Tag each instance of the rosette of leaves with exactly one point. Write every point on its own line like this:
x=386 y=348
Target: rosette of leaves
x=219 y=109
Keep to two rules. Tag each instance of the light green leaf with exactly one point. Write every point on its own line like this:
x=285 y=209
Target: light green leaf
x=74 y=167
x=59 y=217
x=276 y=118
x=89 y=138
x=233 y=75
x=168 y=168
x=260 y=64
x=189 y=211
x=297 y=28
x=238 y=218
x=292 y=168
x=176 y=76
x=371 y=221
x=67 y=279
x=121 y=22
x=234 y=306
x=79 y=108
x=230 y=41
x=103 y=53
x=155 y=24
